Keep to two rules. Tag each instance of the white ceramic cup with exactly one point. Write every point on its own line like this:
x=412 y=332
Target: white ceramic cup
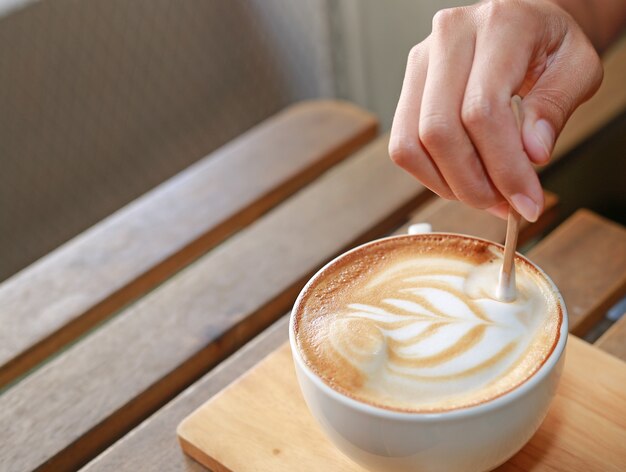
x=476 y=438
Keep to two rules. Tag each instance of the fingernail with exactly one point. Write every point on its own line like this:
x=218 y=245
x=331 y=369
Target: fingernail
x=545 y=136
x=525 y=207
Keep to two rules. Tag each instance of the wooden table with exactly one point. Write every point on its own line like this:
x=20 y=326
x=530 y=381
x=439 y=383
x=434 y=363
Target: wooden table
x=107 y=343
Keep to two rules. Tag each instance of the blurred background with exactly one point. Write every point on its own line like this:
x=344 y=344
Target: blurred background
x=102 y=100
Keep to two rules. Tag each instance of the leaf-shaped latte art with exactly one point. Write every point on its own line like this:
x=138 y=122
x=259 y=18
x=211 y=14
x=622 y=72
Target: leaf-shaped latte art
x=422 y=308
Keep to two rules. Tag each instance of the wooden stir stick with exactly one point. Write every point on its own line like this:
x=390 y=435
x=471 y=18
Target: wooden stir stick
x=506 y=290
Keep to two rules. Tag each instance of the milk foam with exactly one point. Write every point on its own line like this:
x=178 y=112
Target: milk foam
x=424 y=331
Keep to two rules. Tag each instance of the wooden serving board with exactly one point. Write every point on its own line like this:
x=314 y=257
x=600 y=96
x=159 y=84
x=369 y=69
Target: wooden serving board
x=260 y=422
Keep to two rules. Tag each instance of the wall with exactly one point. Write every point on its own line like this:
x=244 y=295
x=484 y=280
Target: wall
x=373 y=39
x=101 y=100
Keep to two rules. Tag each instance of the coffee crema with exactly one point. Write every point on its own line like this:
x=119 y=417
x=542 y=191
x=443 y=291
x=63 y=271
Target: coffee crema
x=412 y=323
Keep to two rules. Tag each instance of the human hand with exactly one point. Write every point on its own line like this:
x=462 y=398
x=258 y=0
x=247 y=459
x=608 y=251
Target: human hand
x=454 y=128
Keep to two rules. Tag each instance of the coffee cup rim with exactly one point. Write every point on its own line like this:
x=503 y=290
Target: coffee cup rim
x=493 y=404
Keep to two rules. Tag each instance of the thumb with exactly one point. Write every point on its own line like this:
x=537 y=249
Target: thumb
x=571 y=78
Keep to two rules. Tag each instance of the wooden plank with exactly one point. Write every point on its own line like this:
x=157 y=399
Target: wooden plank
x=613 y=340
x=586 y=258
x=108 y=382
x=153 y=445
x=608 y=103
x=456 y=217
x=262 y=423
x=67 y=292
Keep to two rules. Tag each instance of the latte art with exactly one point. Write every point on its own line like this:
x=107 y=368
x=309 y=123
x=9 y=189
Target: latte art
x=418 y=327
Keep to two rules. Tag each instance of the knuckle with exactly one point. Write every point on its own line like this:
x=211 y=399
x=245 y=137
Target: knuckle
x=446 y=19
x=402 y=152
x=496 y=11
x=476 y=111
x=518 y=14
x=416 y=53
x=436 y=130
x=409 y=155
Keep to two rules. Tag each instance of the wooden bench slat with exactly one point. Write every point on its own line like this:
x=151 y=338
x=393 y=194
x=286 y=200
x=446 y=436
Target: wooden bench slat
x=586 y=258
x=173 y=335
x=65 y=293
x=613 y=340
x=456 y=217
x=155 y=446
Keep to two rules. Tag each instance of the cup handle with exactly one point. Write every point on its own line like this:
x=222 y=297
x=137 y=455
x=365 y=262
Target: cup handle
x=420 y=228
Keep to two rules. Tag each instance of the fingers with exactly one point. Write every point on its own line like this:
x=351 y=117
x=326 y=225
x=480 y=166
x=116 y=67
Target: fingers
x=441 y=132
x=405 y=148
x=454 y=128
x=573 y=76
x=500 y=63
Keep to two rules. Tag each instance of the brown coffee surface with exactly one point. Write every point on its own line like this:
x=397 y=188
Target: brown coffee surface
x=412 y=324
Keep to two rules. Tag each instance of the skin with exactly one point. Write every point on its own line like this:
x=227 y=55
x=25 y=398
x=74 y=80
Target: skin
x=454 y=128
